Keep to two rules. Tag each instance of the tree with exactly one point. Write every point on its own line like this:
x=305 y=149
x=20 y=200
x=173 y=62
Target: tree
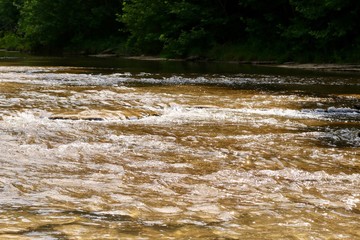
x=176 y=27
x=325 y=27
x=53 y=24
x=9 y=15
x=288 y=29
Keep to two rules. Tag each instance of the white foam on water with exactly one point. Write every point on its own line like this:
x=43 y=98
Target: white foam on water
x=295 y=223
x=156 y=165
x=336 y=189
x=300 y=175
x=206 y=208
x=351 y=201
x=345 y=113
x=49 y=78
x=22 y=118
x=167 y=210
x=56 y=76
x=178 y=114
x=282 y=113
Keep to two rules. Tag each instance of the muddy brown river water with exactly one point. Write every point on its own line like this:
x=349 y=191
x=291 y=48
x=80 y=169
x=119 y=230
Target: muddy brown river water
x=128 y=149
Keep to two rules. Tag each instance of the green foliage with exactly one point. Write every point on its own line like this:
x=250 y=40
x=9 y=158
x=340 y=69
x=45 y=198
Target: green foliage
x=43 y=23
x=324 y=27
x=172 y=27
x=265 y=20
x=144 y=21
x=285 y=30
x=9 y=15
x=12 y=41
x=53 y=24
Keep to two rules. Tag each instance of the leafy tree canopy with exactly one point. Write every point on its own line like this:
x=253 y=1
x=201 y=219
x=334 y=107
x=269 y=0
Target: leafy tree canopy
x=295 y=29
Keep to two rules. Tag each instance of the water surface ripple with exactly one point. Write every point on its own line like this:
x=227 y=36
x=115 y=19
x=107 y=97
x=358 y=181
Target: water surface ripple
x=88 y=153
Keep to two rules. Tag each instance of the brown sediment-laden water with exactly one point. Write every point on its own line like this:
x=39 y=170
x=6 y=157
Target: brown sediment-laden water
x=110 y=149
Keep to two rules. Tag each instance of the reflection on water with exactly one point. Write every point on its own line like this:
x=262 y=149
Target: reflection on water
x=111 y=153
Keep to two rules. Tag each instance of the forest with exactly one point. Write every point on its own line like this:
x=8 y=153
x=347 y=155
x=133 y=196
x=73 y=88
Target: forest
x=240 y=30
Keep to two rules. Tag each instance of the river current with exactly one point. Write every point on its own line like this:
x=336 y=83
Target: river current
x=96 y=151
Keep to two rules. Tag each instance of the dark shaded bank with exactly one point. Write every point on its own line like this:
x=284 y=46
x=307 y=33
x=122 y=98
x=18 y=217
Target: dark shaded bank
x=324 y=31
x=110 y=60
x=322 y=67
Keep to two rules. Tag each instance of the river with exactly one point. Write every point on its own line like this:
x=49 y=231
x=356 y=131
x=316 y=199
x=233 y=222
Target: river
x=96 y=148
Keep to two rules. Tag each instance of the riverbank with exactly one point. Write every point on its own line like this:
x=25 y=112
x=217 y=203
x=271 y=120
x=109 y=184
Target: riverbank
x=344 y=67
x=322 y=66
x=110 y=53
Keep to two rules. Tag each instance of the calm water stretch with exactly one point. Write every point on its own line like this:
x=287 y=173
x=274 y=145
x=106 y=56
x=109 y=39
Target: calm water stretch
x=124 y=149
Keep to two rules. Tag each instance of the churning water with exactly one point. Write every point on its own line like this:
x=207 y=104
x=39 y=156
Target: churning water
x=109 y=153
